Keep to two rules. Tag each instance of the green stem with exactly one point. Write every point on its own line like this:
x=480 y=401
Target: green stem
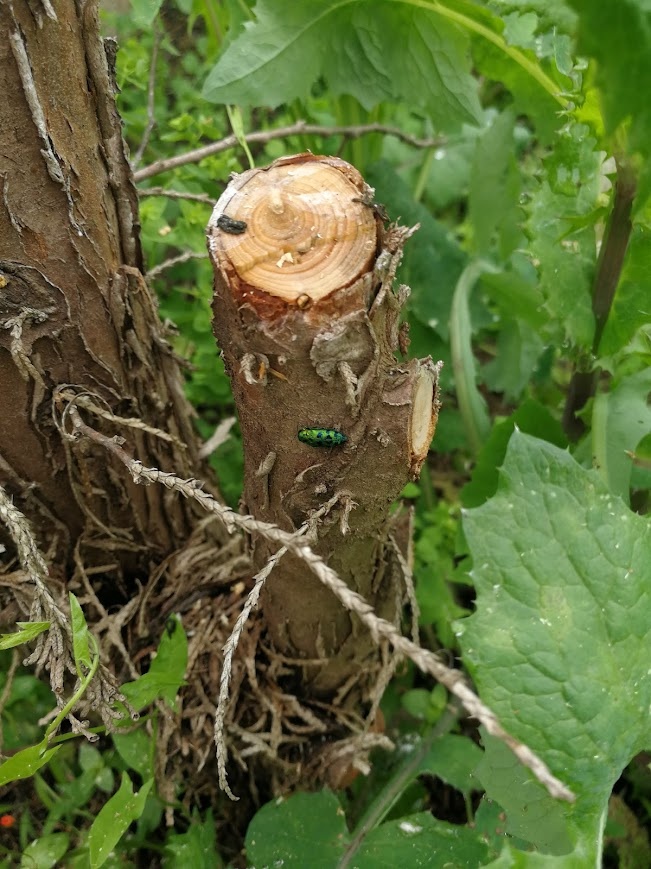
x=471 y=403
x=387 y=797
x=613 y=249
x=608 y=272
x=423 y=175
x=85 y=682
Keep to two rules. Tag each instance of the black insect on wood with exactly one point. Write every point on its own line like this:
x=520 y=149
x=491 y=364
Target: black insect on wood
x=230 y=225
x=376 y=207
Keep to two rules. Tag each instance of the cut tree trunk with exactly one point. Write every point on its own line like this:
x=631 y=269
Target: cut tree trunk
x=74 y=307
x=308 y=322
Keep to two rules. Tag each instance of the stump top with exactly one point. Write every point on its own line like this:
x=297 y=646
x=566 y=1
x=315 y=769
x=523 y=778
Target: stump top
x=297 y=230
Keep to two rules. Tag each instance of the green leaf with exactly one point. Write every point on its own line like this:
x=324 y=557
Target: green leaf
x=433 y=260
x=45 y=852
x=359 y=48
x=512 y=858
x=420 y=840
x=531 y=814
x=495 y=189
x=167 y=671
x=304 y=830
x=558 y=644
x=532 y=418
x=570 y=189
x=453 y=759
x=144 y=11
x=630 y=309
x=114 y=819
x=310 y=830
x=620 y=419
x=529 y=98
x=471 y=403
x=518 y=350
x=517 y=294
x=136 y=750
x=28 y=632
x=237 y=123
x=25 y=763
x=623 y=58
x=80 y=641
x=196 y=848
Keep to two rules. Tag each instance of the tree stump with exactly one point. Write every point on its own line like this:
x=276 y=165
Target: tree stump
x=308 y=323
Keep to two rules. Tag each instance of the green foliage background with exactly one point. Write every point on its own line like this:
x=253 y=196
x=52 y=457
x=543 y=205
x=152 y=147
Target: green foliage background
x=532 y=117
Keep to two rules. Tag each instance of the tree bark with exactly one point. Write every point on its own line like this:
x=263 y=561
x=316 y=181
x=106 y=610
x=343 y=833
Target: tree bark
x=308 y=322
x=74 y=306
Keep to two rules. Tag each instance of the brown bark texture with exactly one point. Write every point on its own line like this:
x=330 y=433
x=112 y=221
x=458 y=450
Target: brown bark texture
x=74 y=307
x=307 y=318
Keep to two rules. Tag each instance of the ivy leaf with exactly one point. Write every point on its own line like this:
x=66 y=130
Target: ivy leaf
x=359 y=48
x=559 y=642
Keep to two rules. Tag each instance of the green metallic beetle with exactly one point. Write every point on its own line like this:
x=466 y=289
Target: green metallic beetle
x=322 y=437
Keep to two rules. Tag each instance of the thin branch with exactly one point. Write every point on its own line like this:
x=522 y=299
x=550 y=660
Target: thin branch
x=151 y=96
x=301 y=128
x=379 y=628
x=217 y=438
x=178 y=194
x=386 y=799
x=174 y=261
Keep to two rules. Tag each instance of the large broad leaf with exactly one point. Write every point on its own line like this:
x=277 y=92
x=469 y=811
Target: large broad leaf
x=617 y=33
x=375 y=50
x=310 y=830
x=559 y=644
x=495 y=189
x=562 y=214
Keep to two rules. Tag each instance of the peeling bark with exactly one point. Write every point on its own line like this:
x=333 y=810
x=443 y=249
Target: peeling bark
x=308 y=322
x=74 y=307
